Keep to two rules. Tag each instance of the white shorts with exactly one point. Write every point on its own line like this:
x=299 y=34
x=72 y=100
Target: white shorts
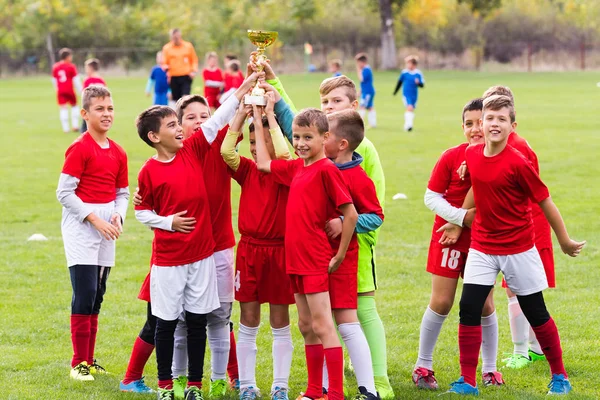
x=190 y=287
x=523 y=272
x=224 y=260
x=84 y=245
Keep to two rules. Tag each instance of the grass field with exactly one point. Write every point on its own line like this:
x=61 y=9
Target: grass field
x=557 y=113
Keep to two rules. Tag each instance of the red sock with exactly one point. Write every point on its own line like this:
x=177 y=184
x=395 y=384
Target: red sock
x=469 y=343
x=139 y=357
x=547 y=335
x=92 y=343
x=197 y=384
x=80 y=337
x=232 y=366
x=334 y=357
x=166 y=384
x=315 y=355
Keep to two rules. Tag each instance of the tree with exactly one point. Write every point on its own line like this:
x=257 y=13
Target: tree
x=388 y=43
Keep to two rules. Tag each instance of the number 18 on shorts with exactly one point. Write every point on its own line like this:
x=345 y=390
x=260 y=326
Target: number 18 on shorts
x=447 y=261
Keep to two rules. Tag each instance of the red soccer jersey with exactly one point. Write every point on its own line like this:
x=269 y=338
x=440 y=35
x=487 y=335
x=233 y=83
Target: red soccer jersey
x=543 y=236
x=178 y=185
x=503 y=187
x=233 y=81
x=211 y=77
x=93 y=80
x=64 y=73
x=364 y=197
x=100 y=171
x=218 y=187
x=262 y=202
x=316 y=192
x=444 y=179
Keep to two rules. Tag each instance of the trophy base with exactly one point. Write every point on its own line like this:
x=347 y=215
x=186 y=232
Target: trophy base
x=256 y=100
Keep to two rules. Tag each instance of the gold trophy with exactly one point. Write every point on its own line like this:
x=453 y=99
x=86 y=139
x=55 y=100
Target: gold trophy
x=262 y=40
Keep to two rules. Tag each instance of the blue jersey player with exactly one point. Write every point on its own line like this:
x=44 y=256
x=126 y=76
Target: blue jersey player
x=367 y=90
x=411 y=79
x=159 y=82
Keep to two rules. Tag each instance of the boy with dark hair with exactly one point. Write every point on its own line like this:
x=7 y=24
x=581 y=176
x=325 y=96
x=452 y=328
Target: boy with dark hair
x=367 y=89
x=317 y=189
x=66 y=80
x=412 y=79
x=502 y=239
x=94 y=192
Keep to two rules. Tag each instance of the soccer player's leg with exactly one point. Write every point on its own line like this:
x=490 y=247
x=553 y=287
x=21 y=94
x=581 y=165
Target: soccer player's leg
x=547 y=256
x=489 y=346
x=519 y=331
x=133 y=381
x=365 y=98
x=103 y=273
x=74 y=115
x=371 y=114
x=409 y=115
x=63 y=104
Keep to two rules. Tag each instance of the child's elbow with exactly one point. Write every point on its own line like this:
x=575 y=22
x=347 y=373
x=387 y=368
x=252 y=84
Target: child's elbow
x=264 y=166
x=352 y=215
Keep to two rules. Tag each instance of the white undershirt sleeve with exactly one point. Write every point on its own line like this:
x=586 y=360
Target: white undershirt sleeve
x=122 y=202
x=153 y=220
x=65 y=193
x=220 y=118
x=439 y=205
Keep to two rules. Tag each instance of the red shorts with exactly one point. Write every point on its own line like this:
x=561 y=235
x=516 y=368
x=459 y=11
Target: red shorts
x=308 y=284
x=212 y=101
x=343 y=291
x=446 y=260
x=260 y=272
x=67 y=98
x=547 y=256
x=145 y=289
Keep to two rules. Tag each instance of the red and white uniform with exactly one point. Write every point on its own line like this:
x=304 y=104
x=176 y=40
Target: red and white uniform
x=93 y=180
x=316 y=192
x=343 y=283
x=449 y=261
x=213 y=83
x=63 y=74
x=93 y=80
x=233 y=81
x=260 y=262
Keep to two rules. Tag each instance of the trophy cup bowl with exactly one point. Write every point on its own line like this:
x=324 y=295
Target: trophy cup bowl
x=262 y=40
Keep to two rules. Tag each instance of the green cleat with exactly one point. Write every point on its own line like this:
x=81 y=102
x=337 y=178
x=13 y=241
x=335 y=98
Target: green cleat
x=535 y=356
x=382 y=384
x=516 y=361
x=179 y=385
x=218 y=388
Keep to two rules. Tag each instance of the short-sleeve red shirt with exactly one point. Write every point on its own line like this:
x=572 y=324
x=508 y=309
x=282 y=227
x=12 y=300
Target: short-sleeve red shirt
x=316 y=192
x=100 y=170
x=233 y=81
x=208 y=75
x=64 y=73
x=93 y=80
x=504 y=187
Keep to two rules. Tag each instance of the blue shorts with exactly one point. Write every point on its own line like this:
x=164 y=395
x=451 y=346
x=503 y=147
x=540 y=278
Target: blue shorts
x=366 y=100
x=410 y=101
x=161 y=99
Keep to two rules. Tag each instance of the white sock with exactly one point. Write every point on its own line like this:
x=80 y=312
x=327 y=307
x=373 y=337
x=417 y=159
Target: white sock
x=372 y=119
x=325 y=376
x=246 y=355
x=180 y=358
x=519 y=327
x=218 y=340
x=409 y=118
x=431 y=325
x=64 y=118
x=360 y=354
x=489 y=345
x=283 y=350
x=75 y=117
x=362 y=112
x=534 y=345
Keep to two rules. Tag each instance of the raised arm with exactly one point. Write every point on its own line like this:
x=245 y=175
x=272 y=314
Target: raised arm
x=230 y=156
x=263 y=159
x=281 y=149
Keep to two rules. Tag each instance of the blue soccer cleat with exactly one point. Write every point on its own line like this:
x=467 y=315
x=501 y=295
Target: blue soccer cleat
x=462 y=387
x=559 y=385
x=135 y=386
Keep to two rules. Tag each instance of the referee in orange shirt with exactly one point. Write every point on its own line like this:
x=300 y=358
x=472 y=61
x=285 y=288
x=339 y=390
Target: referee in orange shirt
x=181 y=64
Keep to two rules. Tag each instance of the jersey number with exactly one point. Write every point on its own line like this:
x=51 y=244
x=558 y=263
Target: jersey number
x=450 y=258
x=62 y=76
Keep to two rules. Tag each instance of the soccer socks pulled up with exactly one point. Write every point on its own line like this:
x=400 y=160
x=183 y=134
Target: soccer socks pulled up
x=218 y=340
x=519 y=327
x=334 y=357
x=246 y=356
x=75 y=117
x=358 y=349
x=80 y=338
x=374 y=332
x=362 y=112
x=163 y=339
x=196 y=346
x=372 y=117
x=431 y=325
x=469 y=342
x=180 y=355
x=92 y=342
x=64 y=120
x=315 y=356
x=534 y=345
x=139 y=357
x=232 y=364
x=489 y=344
x=283 y=350
x=547 y=334
x=409 y=119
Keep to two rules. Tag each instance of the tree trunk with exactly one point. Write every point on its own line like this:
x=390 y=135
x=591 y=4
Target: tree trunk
x=388 y=43
x=50 y=49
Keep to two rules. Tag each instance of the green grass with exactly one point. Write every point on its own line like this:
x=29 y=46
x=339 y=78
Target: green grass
x=557 y=113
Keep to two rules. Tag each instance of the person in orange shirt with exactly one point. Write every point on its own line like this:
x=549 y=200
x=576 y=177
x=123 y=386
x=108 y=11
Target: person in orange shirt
x=181 y=63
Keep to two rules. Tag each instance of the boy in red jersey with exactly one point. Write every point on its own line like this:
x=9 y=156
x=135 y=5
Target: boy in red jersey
x=317 y=189
x=183 y=276
x=502 y=239
x=260 y=262
x=94 y=193
x=92 y=78
x=65 y=80
x=213 y=80
x=445 y=195
x=346 y=132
